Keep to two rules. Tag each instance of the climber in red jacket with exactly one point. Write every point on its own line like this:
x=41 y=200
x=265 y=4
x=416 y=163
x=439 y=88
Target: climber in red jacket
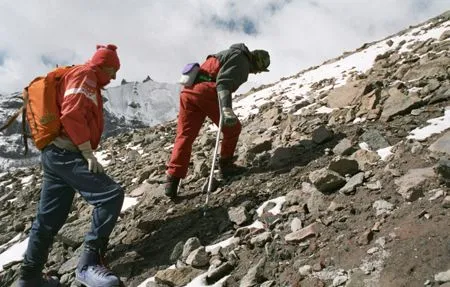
x=219 y=76
x=69 y=166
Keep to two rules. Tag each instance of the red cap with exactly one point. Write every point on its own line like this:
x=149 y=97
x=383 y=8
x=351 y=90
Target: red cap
x=106 y=56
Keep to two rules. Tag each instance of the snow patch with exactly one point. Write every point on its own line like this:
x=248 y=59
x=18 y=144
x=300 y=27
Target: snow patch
x=436 y=126
x=324 y=110
x=276 y=209
x=15 y=239
x=384 y=153
x=26 y=180
x=14 y=253
x=298 y=87
x=129 y=202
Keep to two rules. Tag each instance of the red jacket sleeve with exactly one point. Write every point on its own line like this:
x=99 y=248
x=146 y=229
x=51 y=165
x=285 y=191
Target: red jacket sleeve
x=78 y=99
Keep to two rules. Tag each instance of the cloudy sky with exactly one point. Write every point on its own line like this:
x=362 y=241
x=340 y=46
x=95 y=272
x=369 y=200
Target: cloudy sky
x=157 y=37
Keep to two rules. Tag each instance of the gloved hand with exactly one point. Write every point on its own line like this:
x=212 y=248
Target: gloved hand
x=88 y=154
x=229 y=119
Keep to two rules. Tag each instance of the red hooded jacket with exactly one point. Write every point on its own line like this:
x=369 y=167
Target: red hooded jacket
x=81 y=105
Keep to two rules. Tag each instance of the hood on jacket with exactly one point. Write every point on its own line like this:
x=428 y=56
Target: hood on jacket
x=104 y=56
x=254 y=59
x=243 y=48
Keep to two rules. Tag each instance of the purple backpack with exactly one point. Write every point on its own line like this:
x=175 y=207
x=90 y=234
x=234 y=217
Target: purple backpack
x=189 y=74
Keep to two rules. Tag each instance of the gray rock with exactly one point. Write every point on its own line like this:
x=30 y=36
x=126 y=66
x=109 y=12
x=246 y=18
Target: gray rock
x=296 y=224
x=442 y=144
x=374 y=139
x=142 y=189
x=253 y=275
x=216 y=274
x=303 y=234
x=383 y=207
x=8 y=196
x=339 y=280
x=176 y=252
x=432 y=69
x=443 y=168
x=442 y=277
x=201 y=168
x=238 y=215
x=446 y=202
x=296 y=196
x=269 y=283
x=73 y=233
x=411 y=184
x=305 y=270
x=261 y=144
x=344 y=147
x=261 y=239
x=198 y=258
x=300 y=196
x=365 y=158
x=344 y=166
x=346 y=94
x=398 y=104
x=353 y=182
x=191 y=244
x=144 y=175
x=177 y=277
x=326 y=180
x=316 y=202
x=154 y=284
x=442 y=94
x=433 y=85
x=70 y=265
x=283 y=156
x=445 y=35
x=321 y=135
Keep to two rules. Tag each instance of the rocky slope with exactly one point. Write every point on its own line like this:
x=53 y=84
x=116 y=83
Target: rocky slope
x=348 y=178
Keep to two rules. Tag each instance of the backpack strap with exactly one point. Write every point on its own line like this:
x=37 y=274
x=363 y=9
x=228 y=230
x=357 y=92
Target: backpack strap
x=24 y=130
x=12 y=118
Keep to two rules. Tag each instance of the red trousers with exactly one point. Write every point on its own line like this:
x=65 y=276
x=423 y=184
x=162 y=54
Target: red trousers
x=196 y=104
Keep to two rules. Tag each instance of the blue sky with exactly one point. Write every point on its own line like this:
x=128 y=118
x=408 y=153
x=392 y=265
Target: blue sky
x=158 y=37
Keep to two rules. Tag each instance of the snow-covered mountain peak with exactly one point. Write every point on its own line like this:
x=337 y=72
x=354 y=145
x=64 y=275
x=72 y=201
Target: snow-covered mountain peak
x=149 y=103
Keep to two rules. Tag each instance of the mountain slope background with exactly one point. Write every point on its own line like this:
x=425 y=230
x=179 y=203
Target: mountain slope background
x=128 y=106
x=348 y=178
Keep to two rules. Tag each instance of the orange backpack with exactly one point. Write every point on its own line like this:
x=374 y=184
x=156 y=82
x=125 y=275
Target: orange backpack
x=41 y=109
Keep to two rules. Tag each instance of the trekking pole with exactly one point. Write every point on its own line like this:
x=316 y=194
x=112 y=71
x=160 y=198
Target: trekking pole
x=211 y=174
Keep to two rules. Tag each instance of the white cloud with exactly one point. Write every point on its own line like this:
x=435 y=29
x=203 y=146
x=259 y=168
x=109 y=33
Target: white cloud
x=158 y=37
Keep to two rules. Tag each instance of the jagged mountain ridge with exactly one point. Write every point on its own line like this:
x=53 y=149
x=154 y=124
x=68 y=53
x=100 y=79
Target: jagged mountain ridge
x=355 y=198
x=128 y=106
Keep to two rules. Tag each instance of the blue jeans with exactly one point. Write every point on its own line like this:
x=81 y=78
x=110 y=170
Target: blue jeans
x=64 y=173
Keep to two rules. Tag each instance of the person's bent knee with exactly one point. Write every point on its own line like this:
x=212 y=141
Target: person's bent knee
x=47 y=229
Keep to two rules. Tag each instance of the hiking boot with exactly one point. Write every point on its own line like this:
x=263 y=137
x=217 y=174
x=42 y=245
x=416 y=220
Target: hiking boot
x=91 y=272
x=228 y=168
x=42 y=281
x=171 y=186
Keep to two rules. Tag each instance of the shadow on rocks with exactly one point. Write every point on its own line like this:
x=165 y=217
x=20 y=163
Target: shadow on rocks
x=142 y=259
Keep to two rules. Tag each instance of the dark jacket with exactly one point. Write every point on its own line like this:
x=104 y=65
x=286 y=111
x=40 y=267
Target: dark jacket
x=235 y=65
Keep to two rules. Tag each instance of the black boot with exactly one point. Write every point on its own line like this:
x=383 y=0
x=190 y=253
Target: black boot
x=228 y=168
x=41 y=281
x=171 y=186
